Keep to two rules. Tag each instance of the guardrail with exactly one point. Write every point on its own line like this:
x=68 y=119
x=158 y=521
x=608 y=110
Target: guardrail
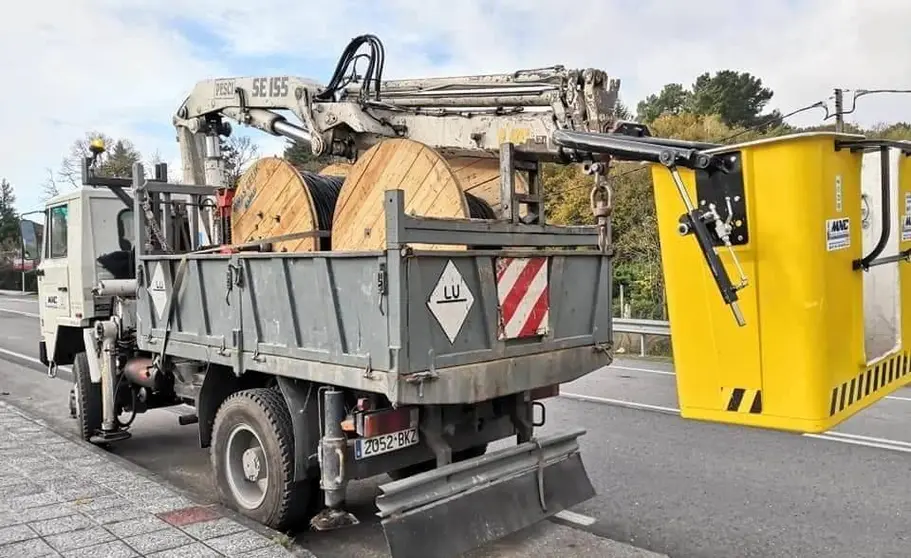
x=642 y=328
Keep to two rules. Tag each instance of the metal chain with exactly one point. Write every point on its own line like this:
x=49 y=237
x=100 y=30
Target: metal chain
x=153 y=223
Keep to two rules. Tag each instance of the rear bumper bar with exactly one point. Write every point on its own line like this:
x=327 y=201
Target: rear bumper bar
x=447 y=511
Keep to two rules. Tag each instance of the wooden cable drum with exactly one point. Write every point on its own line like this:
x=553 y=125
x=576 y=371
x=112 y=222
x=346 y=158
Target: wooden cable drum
x=274 y=198
x=480 y=177
x=432 y=189
x=336 y=169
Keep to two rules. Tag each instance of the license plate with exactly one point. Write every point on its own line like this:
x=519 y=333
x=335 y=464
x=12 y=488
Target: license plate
x=384 y=443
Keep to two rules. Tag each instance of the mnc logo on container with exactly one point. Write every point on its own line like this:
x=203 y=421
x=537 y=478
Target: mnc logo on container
x=838 y=234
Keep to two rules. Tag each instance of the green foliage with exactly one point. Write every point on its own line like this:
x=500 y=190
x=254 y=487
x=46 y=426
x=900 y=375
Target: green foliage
x=672 y=99
x=9 y=218
x=118 y=160
x=300 y=155
x=622 y=112
x=737 y=98
x=897 y=131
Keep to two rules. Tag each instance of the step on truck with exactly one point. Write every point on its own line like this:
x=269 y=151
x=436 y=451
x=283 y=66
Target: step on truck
x=305 y=371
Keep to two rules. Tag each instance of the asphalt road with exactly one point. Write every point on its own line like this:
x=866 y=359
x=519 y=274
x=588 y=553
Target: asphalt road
x=683 y=488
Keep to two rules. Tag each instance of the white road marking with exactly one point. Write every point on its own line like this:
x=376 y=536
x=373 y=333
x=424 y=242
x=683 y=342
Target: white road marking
x=671 y=373
x=648 y=370
x=844 y=438
x=869 y=439
x=893 y=446
x=29 y=358
x=20 y=356
x=620 y=402
x=20 y=312
x=576 y=518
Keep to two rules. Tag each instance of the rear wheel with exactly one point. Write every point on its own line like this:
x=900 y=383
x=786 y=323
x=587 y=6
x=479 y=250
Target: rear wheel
x=252 y=456
x=86 y=398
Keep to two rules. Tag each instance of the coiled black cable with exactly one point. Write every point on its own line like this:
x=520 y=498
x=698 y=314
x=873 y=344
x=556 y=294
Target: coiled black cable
x=478 y=208
x=324 y=191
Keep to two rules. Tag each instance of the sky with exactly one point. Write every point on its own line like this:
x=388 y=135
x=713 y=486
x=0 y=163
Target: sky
x=123 y=67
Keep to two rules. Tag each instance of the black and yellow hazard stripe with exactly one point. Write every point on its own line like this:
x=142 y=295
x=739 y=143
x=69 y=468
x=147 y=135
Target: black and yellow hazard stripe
x=742 y=400
x=882 y=374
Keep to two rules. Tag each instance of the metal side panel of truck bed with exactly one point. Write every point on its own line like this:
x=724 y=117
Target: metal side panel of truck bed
x=422 y=327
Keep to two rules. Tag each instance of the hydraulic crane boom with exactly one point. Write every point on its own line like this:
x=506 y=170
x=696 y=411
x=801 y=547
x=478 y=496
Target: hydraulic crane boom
x=466 y=115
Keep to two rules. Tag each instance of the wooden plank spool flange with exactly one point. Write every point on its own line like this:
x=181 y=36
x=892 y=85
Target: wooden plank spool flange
x=336 y=169
x=432 y=189
x=480 y=177
x=273 y=198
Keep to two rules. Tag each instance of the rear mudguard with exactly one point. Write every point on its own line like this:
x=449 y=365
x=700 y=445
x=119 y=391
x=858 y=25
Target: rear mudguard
x=447 y=511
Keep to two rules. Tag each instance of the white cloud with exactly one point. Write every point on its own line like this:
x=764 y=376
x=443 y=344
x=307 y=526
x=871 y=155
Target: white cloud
x=123 y=68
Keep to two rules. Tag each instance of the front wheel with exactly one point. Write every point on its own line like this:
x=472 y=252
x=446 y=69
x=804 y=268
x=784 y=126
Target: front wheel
x=85 y=403
x=252 y=456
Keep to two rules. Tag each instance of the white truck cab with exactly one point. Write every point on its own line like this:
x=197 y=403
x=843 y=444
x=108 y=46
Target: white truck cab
x=80 y=226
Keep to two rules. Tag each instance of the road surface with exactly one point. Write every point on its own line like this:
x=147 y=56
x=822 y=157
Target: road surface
x=683 y=488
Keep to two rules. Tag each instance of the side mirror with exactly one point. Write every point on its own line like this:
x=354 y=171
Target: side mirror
x=31 y=234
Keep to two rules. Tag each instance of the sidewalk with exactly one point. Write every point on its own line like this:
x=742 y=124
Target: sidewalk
x=60 y=497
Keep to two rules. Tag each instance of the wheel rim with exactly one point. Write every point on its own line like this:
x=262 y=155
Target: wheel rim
x=246 y=467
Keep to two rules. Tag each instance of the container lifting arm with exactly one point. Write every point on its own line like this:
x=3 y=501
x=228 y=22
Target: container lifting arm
x=696 y=221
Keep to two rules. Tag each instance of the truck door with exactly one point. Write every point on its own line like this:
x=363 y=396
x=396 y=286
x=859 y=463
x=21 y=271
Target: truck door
x=53 y=275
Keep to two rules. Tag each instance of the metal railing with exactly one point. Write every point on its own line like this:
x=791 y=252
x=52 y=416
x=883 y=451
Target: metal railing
x=642 y=328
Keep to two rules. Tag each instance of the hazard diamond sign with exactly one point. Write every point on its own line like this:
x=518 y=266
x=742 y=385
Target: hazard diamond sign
x=522 y=290
x=450 y=301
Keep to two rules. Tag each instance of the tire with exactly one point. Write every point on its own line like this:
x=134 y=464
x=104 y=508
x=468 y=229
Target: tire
x=86 y=397
x=423 y=467
x=258 y=418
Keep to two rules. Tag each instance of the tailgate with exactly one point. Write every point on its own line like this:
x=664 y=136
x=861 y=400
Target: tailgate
x=504 y=322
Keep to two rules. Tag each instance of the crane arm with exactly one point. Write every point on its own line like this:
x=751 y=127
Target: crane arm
x=461 y=115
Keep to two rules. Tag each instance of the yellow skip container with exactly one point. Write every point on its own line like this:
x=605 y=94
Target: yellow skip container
x=824 y=335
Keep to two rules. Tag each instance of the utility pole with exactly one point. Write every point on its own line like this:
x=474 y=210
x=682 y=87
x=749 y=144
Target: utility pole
x=839 y=111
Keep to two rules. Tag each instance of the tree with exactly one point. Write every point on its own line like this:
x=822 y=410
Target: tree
x=672 y=99
x=300 y=155
x=238 y=153
x=9 y=218
x=622 y=112
x=897 y=131
x=738 y=98
x=116 y=161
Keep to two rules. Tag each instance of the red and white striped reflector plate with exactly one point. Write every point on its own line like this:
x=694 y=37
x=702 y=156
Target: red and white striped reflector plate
x=522 y=290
